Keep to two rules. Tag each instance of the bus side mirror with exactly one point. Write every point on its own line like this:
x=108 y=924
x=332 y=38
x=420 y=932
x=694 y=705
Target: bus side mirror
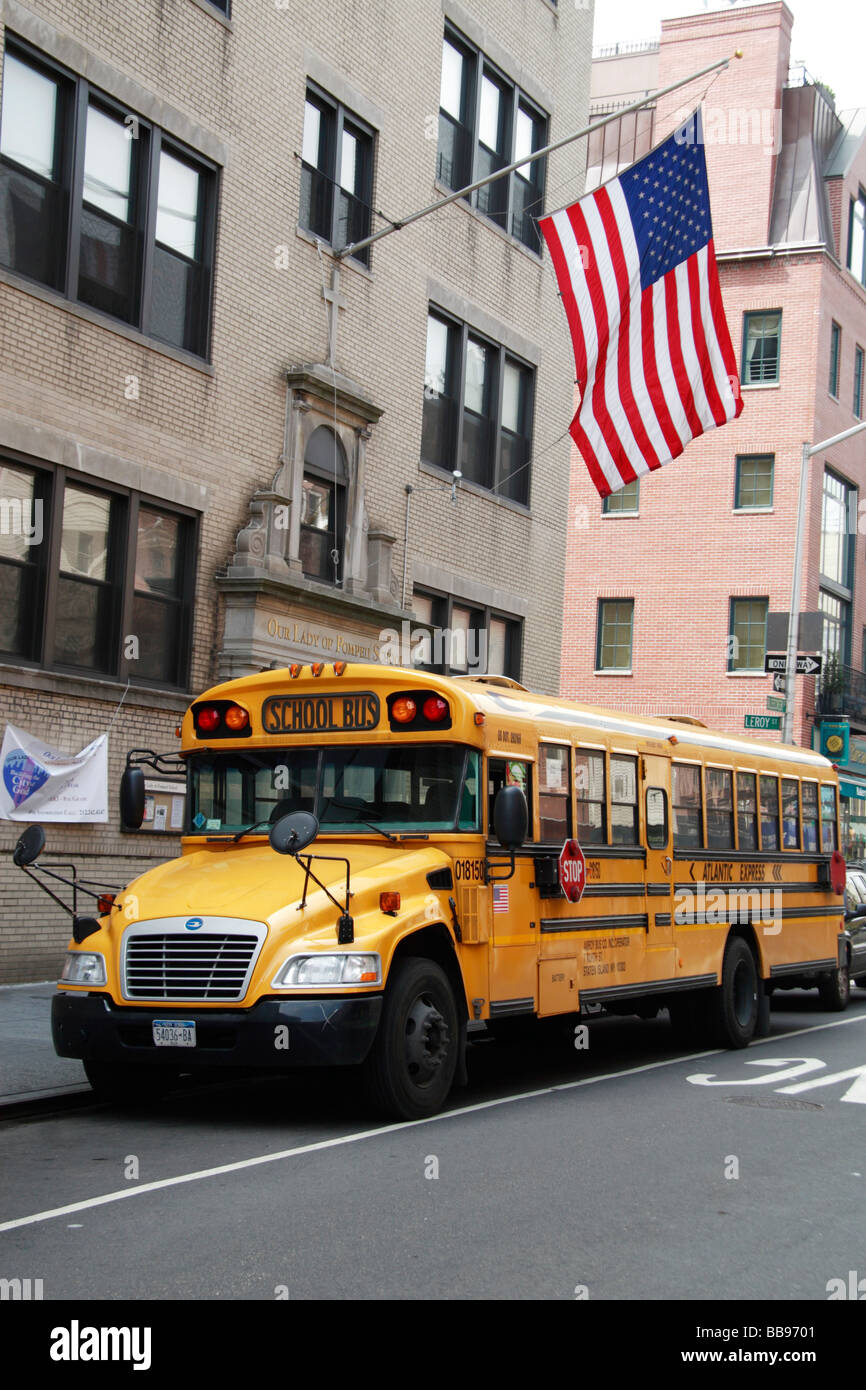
x=132 y=798
x=510 y=817
x=293 y=832
x=31 y=843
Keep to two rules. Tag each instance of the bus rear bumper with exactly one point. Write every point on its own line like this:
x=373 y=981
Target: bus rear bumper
x=278 y=1033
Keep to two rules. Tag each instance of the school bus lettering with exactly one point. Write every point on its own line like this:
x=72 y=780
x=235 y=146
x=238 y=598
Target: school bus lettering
x=341 y=875
x=753 y=873
x=298 y=714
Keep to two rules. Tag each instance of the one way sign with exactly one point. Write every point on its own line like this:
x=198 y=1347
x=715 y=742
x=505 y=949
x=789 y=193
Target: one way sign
x=806 y=665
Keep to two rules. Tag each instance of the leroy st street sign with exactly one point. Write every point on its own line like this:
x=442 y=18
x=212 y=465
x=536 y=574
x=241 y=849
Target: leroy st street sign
x=806 y=665
x=762 y=721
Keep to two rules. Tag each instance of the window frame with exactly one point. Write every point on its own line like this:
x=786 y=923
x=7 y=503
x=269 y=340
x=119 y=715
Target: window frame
x=732 y=620
x=477 y=66
x=739 y=504
x=853 y=203
x=613 y=504
x=599 y=639
x=859 y=369
x=835 y=359
x=342 y=116
x=123 y=541
x=77 y=94
x=745 y=380
x=443 y=607
x=457 y=346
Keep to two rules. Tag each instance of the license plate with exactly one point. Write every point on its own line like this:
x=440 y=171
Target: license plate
x=173 y=1033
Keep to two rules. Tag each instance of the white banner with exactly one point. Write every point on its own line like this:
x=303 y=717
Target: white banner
x=40 y=783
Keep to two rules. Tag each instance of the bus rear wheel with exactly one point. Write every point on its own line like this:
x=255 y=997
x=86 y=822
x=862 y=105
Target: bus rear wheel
x=410 y=1068
x=129 y=1085
x=735 y=1009
x=834 y=990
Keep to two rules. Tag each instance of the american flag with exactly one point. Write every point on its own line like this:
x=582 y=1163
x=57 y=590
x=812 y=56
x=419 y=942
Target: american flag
x=500 y=897
x=636 y=269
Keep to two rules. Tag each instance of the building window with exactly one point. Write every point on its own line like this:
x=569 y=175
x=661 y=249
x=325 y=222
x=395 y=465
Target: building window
x=458 y=638
x=624 y=502
x=84 y=568
x=858 y=382
x=761 y=334
x=748 y=629
x=857 y=237
x=102 y=206
x=485 y=124
x=835 y=597
x=478 y=405
x=754 y=486
x=323 y=507
x=835 y=345
x=614 y=634
x=336 y=174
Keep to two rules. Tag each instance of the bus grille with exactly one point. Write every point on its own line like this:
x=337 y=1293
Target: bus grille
x=209 y=966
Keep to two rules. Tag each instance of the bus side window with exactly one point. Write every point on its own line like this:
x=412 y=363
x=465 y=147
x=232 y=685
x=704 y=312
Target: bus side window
x=507 y=772
x=810 y=817
x=829 y=837
x=470 y=801
x=790 y=813
x=769 y=813
x=591 y=803
x=623 y=801
x=747 y=810
x=686 y=802
x=656 y=818
x=554 y=792
x=720 y=808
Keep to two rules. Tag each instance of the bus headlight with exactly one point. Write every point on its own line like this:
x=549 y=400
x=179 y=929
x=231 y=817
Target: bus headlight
x=338 y=968
x=83 y=968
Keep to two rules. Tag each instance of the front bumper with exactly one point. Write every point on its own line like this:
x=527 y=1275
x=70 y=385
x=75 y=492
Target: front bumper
x=335 y=1031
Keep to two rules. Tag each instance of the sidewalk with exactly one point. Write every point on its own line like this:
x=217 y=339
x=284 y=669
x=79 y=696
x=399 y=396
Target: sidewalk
x=28 y=1063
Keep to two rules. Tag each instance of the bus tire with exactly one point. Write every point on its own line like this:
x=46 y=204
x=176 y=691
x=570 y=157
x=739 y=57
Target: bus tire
x=834 y=990
x=735 y=1007
x=129 y=1085
x=410 y=1067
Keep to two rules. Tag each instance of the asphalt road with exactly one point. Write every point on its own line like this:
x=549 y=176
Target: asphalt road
x=624 y=1171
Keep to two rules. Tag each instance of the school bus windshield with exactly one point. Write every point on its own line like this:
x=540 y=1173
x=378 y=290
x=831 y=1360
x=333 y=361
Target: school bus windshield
x=434 y=787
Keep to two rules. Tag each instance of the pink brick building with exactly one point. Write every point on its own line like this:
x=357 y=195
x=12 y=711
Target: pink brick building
x=667 y=592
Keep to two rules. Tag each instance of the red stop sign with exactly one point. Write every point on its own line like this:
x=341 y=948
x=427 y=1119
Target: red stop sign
x=572 y=871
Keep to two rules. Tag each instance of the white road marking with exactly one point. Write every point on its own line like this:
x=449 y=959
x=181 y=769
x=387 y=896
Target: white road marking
x=109 y=1197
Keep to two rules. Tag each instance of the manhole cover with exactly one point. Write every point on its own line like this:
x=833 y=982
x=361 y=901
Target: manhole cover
x=774 y=1103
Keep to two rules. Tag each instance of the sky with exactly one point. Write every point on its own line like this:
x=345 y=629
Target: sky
x=829 y=35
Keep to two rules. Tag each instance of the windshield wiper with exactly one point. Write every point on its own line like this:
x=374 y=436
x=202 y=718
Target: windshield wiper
x=362 y=816
x=247 y=828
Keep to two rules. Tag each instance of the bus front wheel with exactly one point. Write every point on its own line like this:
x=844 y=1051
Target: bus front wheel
x=411 y=1065
x=736 y=1005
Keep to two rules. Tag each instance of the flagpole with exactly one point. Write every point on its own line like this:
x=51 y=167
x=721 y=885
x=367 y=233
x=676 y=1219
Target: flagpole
x=357 y=246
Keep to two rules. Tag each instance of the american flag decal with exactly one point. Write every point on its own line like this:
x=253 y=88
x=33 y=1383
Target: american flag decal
x=636 y=269
x=500 y=897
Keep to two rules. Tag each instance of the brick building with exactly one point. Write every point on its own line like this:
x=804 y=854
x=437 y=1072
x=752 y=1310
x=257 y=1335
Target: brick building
x=199 y=477
x=669 y=585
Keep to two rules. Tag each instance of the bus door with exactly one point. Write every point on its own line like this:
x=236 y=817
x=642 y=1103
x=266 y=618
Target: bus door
x=656 y=785
x=513 y=902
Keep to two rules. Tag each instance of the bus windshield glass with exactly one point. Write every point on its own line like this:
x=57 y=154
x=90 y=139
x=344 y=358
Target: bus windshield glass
x=397 y=788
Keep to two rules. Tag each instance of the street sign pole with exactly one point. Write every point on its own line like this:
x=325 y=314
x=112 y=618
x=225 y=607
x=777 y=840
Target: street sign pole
x=809 y=450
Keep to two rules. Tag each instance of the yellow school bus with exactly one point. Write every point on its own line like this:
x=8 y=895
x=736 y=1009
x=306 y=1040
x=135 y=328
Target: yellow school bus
x=370 y=872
